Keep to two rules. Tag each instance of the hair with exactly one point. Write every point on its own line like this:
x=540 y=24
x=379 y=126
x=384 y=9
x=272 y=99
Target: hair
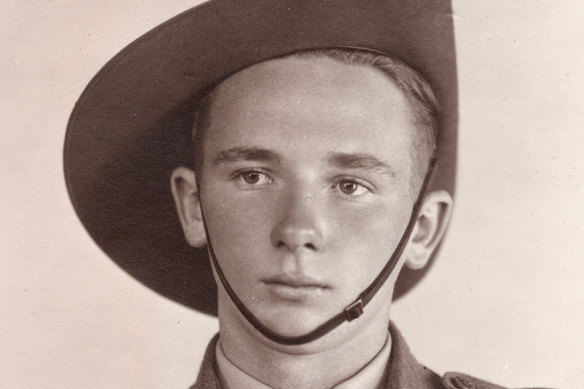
x=416 y=89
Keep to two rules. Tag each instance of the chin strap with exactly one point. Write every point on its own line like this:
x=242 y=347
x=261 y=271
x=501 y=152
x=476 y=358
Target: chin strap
x=353 y=310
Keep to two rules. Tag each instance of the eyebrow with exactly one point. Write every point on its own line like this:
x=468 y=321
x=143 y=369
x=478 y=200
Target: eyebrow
x=340 y=160
x=360 y=161
x=237 y=154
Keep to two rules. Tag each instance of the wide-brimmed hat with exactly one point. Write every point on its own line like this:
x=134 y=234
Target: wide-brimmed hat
x=132 y=125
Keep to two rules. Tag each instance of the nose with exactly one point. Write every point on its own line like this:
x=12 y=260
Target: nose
x=301 y=225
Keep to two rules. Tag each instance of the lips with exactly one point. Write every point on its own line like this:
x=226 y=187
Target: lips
x=298 y=288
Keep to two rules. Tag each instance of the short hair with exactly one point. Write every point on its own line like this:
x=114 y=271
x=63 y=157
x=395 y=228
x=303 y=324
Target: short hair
x=415 y=88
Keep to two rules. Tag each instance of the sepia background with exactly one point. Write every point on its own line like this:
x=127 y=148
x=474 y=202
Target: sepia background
x=505 y=301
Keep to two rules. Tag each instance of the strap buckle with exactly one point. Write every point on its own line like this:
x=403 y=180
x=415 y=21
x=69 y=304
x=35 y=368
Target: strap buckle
x=354 y=310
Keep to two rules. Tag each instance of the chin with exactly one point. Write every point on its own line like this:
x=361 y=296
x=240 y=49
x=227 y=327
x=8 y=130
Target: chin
x=301 y=324
x=292 y=321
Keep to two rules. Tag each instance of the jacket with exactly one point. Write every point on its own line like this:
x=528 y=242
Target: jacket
x=403 y=371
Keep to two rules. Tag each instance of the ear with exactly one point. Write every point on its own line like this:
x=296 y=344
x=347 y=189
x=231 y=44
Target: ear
x=186 y=199
x=429 y=229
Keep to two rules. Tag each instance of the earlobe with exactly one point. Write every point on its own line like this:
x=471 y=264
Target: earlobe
x=184 y=191
x=429 y=229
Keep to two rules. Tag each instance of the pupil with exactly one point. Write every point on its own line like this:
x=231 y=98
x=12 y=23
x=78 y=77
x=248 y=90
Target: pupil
x=251 y=177
x=348 y=187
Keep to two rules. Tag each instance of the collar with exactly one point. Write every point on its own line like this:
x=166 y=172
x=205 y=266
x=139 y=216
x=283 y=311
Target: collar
x=370 y=376
x=402 y=370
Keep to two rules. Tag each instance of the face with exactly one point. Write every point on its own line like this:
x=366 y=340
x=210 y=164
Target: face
x=305 y=186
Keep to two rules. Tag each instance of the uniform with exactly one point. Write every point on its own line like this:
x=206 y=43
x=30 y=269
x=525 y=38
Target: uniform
x=403 y=371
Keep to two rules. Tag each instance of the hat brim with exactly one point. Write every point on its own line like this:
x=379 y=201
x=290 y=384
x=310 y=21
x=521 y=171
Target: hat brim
x=132 y=125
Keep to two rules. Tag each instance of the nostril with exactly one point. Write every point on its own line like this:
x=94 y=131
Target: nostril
x=308 y=245
x=295 y=235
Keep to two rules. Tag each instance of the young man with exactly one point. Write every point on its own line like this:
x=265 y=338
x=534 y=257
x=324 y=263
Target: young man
x=309 y=167
x=320 y=164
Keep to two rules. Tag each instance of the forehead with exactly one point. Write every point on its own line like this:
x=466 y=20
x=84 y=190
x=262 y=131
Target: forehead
x=330 y=104
x=357 y=88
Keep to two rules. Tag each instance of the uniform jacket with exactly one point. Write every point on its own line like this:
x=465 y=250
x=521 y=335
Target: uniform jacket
x=403 y=371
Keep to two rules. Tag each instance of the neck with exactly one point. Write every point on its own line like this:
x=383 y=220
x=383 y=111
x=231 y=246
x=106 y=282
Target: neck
x=329 y=360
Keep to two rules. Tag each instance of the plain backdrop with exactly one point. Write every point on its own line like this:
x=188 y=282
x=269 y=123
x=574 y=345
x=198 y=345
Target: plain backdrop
x=504 y=302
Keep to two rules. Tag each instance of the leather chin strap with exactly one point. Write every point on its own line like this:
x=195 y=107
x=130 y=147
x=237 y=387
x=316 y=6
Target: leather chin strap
x=353 y=310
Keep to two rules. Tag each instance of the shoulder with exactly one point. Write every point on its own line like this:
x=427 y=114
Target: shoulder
x=454 y=380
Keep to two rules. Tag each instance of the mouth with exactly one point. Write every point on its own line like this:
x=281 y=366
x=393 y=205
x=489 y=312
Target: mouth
x=295 y=288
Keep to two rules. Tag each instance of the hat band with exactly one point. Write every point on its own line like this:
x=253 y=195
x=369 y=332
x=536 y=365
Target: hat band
x=353 y=310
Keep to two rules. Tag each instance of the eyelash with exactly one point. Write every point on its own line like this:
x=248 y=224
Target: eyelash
x=360 y=184
x=335 y=187
x=240 y=175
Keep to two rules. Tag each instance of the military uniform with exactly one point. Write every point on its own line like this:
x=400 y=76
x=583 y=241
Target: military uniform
x=403 y=371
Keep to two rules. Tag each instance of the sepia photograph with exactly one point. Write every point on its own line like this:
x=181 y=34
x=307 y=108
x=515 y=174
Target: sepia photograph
x=252 y=194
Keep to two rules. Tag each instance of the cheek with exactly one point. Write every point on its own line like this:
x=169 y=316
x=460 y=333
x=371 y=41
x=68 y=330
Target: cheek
x=239 y=231
x=368 y=239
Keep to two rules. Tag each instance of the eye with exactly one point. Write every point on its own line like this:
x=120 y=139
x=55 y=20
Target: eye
x=254 y=177
x=351 y=187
